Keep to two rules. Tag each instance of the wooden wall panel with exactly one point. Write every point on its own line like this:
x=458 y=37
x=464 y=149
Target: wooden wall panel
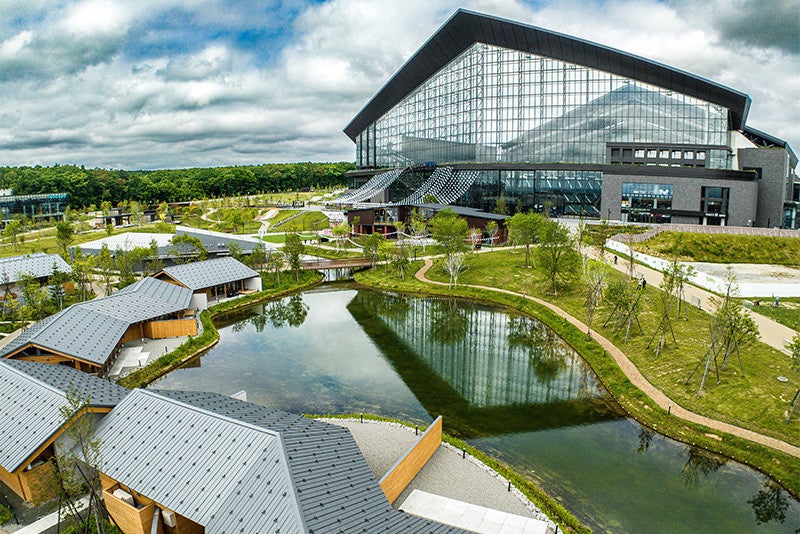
x=400 y=476
x=170 y=328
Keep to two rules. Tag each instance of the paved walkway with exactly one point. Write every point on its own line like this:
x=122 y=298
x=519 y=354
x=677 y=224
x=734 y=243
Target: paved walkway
x=636 y=377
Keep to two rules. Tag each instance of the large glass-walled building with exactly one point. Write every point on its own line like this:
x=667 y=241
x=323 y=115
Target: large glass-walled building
x=530 y=119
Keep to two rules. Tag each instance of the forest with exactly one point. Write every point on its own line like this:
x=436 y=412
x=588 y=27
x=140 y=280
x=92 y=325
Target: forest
x=93 y=186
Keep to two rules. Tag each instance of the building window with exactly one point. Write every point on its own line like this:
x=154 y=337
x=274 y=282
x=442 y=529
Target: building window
x=646 y=203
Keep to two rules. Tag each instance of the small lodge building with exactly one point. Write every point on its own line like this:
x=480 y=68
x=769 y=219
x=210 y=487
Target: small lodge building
x=32 y=427
x=188 y=462
x=40 y=266
x=212 y=279
x=88 y=335
x=382 y=219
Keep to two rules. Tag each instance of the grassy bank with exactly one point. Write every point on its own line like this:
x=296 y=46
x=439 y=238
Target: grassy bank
x=196 y=346
x=554 y=510
x=723 y=248
x=736 y=399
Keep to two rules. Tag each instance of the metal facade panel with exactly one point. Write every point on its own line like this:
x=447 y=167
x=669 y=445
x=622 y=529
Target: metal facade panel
x=210 y=273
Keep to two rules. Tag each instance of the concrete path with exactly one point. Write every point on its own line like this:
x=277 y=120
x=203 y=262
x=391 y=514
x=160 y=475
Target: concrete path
x=772 y=332
x=470 y=517
x=42 y=525
x=636 y=377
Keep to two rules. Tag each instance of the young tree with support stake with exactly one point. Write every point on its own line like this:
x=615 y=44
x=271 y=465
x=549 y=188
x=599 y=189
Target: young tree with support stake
x=732 y=329
x=293 y=248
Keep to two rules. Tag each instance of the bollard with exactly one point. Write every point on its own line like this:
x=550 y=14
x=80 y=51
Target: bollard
x=463 y=453
x=669 y=409
x=509 y=485
x=362 y=417
x=416 y=430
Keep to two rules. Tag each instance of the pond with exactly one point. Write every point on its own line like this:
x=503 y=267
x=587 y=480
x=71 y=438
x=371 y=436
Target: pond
x=505 y=384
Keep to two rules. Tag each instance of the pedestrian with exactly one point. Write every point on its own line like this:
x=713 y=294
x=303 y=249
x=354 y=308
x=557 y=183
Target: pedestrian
x=615 y=260
x=777 y=301
x=644 y=283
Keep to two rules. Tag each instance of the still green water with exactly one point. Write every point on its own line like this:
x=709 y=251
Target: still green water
x=502 y=382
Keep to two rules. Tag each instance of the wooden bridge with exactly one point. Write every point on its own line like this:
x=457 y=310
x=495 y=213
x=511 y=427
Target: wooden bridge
x=322 y=264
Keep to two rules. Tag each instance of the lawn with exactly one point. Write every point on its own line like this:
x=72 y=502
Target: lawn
x=756 y=400
x=723 y=248
x=304 y=221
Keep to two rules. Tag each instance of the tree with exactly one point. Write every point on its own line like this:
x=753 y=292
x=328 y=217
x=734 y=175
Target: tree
x=450 y=231
x=78 y=466
x=57 y=281
x=371 y=244
x=273 y=262
x=188 y=248
x=65 y=235
x=137 y=215
x=794 y=352
x=82 y=266
x=341 y=232
x=35 y=298
x=105 y=262
x=491 y=230
x=294 y=248
x=500 y=207
x=596 y=277
x=105 y=208
x=524 y=229
x=398 y=256
x=257 y=257
x=419 y=227
x=732 y=328
x=11 y=233
x=556 y=256
x=625 y=299
x=235 y=251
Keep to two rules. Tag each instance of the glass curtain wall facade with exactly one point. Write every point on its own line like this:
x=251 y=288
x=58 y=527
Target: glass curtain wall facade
x=493 y=104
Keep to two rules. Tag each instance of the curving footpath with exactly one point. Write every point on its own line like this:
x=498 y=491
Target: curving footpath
x=633 y=374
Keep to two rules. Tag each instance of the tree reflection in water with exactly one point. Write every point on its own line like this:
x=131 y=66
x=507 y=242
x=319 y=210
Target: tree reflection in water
x=449 y=322
x=291 y=311
x=700 y=462
x=770 y=503
x=645 y=437
x=543 y=345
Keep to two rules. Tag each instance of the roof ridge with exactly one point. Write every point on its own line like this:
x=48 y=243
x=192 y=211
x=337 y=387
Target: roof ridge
x=205 y=411
x=32 y=379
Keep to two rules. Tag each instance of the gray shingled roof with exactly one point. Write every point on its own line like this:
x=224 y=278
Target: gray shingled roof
x=39 y=265
x=234 y=466
x=90 y=330
x=31 y=395
x=335 y=487
x=209 y=273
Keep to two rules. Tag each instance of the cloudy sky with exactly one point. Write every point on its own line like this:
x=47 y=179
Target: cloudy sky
x=151 y=84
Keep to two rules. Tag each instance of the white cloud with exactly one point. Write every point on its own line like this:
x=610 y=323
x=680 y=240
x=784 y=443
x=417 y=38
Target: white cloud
x=114 y=90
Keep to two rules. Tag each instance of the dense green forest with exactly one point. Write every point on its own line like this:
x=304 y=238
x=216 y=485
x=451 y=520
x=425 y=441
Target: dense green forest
x=93 y=186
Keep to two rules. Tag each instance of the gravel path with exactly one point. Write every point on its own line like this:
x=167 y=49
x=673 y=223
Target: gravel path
x=448 y=473
x=636 y=377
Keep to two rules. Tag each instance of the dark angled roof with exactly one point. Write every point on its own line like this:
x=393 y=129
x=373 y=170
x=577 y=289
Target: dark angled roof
x=464 y=211
x=319 y=480
x=767 y=140
x=38 y=265
x=90 y=330
x=209 y=273
x=31 y=395
x=466 y=28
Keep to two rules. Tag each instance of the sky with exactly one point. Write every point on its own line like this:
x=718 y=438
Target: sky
x=151 y=84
